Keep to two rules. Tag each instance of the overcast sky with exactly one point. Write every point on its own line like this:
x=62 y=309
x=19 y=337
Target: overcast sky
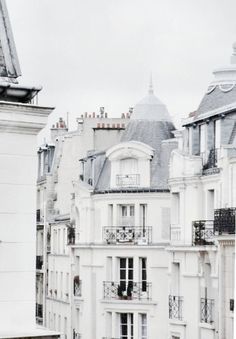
x=92 y=53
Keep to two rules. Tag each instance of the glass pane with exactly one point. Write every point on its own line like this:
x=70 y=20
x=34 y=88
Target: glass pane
x=124 y=211
x=130 y=262
x=131 y=211
x=122 y=262
x=122 y=274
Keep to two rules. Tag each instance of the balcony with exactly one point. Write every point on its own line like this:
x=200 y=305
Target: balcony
x=175 y=307
x=224 y=221
x=77 y=286
x=128 y=180
x=133 y=291
x=203 y=232
x=39 y=311
x=207 y=308
x=39 y=262
x=127 y=235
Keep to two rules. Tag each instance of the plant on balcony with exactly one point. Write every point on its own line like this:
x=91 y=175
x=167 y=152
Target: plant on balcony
x=120 y=291
x=129 y=290
x=70 y=234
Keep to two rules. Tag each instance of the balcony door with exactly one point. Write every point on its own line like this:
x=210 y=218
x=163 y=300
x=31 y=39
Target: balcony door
x=127 y=215
x=126 y=326
x=126 y=275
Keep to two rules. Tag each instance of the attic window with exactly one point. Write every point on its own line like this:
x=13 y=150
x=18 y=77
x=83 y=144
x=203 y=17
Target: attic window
x=128 y=176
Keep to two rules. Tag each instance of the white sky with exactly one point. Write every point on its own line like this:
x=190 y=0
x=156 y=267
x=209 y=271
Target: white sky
x=92 y=53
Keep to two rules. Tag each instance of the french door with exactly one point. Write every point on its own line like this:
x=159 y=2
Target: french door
x=126 y=273
x=126 y=326
x=127 y=215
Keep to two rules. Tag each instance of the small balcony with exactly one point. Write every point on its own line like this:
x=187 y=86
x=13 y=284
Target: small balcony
x=39 y=311
x=128 y=180
x=77 y=286
x=224 y=221
x=175 y=307
x=39 y=262
x=203 y=232
x=127 y=235
x=133 y=290
x=207 y=310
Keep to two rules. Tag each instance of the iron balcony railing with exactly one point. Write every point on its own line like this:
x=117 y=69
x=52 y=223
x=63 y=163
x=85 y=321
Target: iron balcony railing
x=39 y=311
x=175 y=307
x=128 y=180
x=77 y=287
x=39 y=262
x=132 y=290
x=207 y=310
x=224 y=221
x=128 y=235
x=203 y=232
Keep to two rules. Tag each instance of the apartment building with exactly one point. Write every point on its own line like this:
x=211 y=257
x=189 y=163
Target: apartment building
x=20 y=122
x=203 y=194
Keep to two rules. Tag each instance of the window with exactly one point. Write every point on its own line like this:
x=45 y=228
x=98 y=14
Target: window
x=143 y=215
x=129 y=166
x=143 y=273
x=126 y=273
x=110 y=214
x=175 y=208
x=175 y=279
x=217 y=138
x=203 y=138
x=143 y=326
x=126 y=326
x=127 y=215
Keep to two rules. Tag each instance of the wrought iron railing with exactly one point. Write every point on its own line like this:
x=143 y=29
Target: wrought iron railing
x=39 y=262
x=175 y=307
x=224 y=221
x=39 y=311
x=207 y=310
x=77 y=287
x=128 y=180
x=203 y=232
x=128 y=235
x=133 y=290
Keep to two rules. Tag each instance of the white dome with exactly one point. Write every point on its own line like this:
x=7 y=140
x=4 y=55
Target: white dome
x=150 y=108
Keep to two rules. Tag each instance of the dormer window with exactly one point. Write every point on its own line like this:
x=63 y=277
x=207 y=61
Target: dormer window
x=129 y=176
x=130 y=164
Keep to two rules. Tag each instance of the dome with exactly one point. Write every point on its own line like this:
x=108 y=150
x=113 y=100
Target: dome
x=150 y=108
x=222 y=90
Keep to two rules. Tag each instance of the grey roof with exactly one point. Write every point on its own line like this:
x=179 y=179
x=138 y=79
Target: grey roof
x=215 y=100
